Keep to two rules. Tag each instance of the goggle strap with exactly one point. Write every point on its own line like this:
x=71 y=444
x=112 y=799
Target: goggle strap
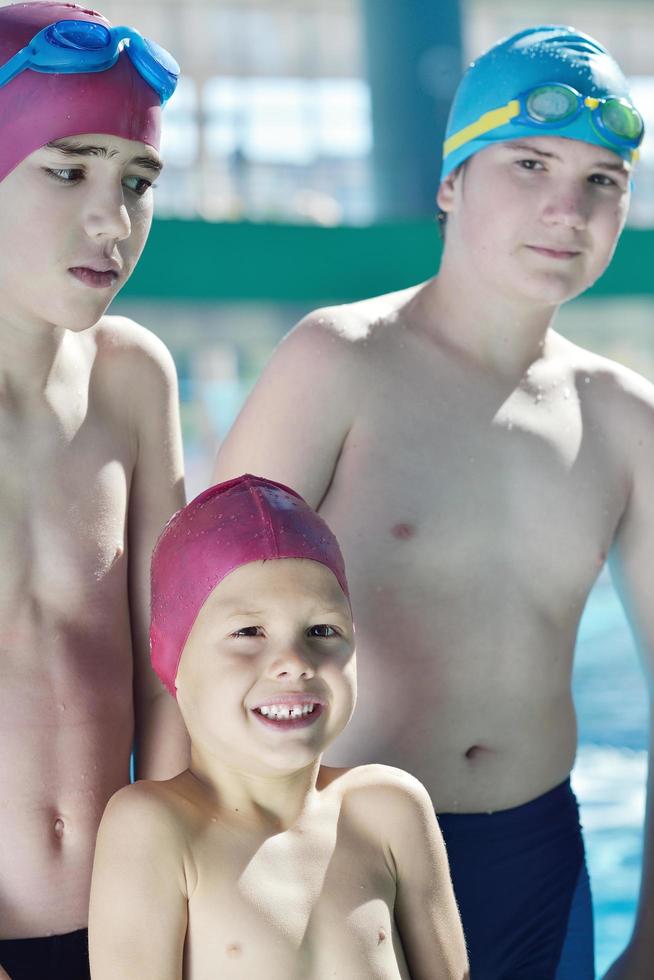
x=15 y=65
x=490 y=120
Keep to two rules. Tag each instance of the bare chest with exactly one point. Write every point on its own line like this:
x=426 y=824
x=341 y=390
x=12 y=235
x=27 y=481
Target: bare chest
x=433 y=476
x=63 y=503
x=307 y=908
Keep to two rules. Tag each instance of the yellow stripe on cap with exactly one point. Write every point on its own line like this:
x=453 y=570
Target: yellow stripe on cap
x=490 y=120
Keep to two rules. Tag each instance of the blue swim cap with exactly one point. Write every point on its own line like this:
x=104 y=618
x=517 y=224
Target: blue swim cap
x=533 y=57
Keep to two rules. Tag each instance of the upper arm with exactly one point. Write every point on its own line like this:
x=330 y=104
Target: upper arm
x=632 y=555
x=138 y=910
x=157 y=486
x=150 y=396
x=425 y=908
x=293 y=425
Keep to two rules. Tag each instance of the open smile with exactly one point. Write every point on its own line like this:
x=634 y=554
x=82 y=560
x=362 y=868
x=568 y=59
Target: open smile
x=298 y=711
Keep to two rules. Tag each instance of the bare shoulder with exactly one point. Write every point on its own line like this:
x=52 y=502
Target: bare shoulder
x=348 y=331
x=146 y=809
x=616 y=396
x=380 y=786
x=132 y=350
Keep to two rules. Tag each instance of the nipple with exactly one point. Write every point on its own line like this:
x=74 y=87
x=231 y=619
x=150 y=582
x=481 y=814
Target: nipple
x=381 y=936
x=403 y=531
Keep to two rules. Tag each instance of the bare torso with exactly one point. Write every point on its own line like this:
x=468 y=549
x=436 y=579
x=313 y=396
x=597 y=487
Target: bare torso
x=475 y=510
x=474 y=519
x=65 y=703
x=310 y=902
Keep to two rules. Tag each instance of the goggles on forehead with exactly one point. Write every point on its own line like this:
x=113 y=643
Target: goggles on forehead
x=78 y=46
x=554 y=105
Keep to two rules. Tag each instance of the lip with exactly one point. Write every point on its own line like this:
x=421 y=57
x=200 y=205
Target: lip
x=291 y=699
x=554 y=253
x=94 y=276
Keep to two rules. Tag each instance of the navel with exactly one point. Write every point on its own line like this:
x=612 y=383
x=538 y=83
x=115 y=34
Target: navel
x=234 y=950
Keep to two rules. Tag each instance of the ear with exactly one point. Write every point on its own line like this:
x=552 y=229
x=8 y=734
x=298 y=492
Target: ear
x=446 y=191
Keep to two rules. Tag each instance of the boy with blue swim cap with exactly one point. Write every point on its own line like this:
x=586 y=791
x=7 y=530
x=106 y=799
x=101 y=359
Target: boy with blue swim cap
x=478 y=468
x=542 y=80
x=92 y=463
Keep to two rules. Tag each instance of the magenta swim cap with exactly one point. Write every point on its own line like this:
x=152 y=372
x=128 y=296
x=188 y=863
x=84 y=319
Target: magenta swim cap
x=243 y=520
x=36 y=108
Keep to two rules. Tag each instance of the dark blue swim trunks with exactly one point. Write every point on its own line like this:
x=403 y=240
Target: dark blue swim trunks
x=63 y=957
x=522 y=888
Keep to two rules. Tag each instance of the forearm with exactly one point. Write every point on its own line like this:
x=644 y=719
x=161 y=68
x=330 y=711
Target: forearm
x=161 y=745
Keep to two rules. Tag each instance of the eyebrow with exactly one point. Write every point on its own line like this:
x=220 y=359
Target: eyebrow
x=73 y=149
x=316 y=613
x=620 y=166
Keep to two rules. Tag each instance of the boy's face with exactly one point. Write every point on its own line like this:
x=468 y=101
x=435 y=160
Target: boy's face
x=267 y=678
x=537 y=219
x=74 y=217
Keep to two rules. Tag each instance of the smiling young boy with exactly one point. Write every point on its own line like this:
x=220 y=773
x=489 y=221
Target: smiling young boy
x=478 y=468
x=92 y=465
x=258 y=861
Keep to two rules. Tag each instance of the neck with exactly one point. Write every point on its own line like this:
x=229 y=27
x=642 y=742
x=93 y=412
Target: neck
x=269 y=799
x=501 y=332
x=28 y=355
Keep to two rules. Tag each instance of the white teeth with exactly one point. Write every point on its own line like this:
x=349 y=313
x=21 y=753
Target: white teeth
x=284 y=711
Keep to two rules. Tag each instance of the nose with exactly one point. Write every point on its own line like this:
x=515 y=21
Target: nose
x=567 y=206
x=291 y=663
x=106 y=215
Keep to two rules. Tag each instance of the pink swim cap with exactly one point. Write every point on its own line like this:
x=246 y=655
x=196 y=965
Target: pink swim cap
x=36 y=108
x=243 y=520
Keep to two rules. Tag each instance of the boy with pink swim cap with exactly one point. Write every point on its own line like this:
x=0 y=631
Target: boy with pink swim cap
x=92 y=464
x=258 y=861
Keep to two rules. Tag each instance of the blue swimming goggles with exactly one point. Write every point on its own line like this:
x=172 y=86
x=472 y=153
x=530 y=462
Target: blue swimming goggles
x=552 y=106
x=78 y=46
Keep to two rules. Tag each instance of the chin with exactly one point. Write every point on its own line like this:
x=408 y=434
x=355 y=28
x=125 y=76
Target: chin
x=77 y=317
x=553 y=291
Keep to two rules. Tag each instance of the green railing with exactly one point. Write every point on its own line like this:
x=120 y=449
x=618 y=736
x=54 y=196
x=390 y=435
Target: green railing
x=198 y=260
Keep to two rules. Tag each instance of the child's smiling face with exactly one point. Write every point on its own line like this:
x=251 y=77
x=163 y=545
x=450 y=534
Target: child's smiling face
x=267 y=679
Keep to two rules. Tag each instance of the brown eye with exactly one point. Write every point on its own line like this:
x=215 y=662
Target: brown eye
x=323 y=630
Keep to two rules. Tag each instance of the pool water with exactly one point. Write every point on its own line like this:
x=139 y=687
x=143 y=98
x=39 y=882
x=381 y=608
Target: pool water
x=610 y=773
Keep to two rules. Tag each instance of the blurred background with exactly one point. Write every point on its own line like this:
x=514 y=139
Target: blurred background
x=302 y=152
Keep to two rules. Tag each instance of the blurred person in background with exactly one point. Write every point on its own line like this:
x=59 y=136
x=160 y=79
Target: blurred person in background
x=92 y=464
x=478 y=469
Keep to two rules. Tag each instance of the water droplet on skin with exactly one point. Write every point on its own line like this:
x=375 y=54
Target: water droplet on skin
x=509 y=425
x=472 y=459
x=586 y=380
x=538 y=398
x=62 y=707
x=566 y=392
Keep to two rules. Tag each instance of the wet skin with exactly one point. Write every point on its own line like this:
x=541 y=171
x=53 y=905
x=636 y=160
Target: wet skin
x=87 y=410
x=477 y=468
x=257 y=860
